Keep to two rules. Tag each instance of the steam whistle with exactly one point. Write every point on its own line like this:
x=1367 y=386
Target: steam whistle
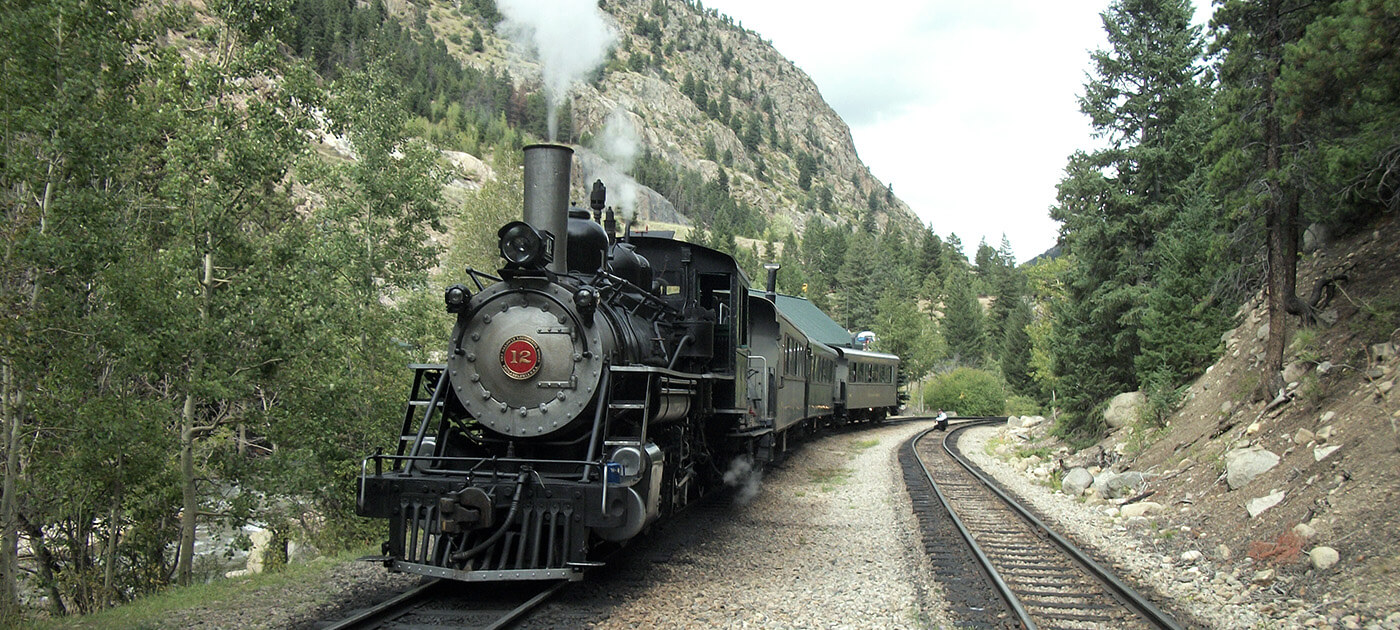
x=596 y=200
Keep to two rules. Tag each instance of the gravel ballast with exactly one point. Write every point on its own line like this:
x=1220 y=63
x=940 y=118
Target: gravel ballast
x=828 y=541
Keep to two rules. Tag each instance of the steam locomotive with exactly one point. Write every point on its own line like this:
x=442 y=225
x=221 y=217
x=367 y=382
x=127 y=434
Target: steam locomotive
x=596 y=386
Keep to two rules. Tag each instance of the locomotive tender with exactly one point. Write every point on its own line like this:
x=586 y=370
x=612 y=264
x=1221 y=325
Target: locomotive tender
x=594 y=387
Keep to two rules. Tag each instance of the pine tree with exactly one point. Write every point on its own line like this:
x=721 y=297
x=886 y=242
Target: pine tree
x=1113 y=202
x=962 y=320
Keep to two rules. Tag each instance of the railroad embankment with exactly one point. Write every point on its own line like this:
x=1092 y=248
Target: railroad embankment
x=1289 y=506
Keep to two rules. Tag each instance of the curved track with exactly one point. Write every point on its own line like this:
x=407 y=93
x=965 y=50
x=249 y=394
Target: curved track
x=445 y=604
x=1000 y=565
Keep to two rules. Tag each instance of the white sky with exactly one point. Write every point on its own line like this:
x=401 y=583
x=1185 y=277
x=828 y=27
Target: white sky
x=969 y=108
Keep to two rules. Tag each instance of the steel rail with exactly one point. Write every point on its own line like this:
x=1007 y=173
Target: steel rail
x=385 y=610
x=1012 y=602
x=385 y=613
x=1130 y=595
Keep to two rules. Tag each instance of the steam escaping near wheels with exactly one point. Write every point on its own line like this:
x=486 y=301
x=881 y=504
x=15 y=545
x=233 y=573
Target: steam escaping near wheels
x=743 y=475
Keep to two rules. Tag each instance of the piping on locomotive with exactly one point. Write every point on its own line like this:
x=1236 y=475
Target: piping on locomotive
x=596 y=386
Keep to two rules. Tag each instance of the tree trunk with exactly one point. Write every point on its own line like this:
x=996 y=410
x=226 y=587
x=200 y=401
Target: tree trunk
x=110 y=594
x=1280 y=216
x=12 y=417
x=11 y=403
x=46 y=566
x=188 y=482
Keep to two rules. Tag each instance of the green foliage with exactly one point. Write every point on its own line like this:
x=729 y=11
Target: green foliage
x=968 y=391
x=1115 y=202
x=1022 y=406
x=1016 y=348
x=963 y=320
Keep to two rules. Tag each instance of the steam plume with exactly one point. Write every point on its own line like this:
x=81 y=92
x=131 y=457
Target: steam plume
x=743 y=475
x=618 y=144
x=569 y=37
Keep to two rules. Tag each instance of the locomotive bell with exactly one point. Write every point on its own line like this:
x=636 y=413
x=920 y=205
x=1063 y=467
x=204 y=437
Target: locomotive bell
x=547 y=196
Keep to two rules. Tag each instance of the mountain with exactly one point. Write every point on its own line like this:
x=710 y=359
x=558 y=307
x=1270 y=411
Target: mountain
x=704 y=96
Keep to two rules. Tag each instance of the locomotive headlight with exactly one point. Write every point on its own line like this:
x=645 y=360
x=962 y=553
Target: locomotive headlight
x=523 y=246
x=586 y=301
x=456 y=298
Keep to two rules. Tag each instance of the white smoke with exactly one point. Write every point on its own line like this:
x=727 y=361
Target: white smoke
x=743 y=475
x=618 y=145
x=570 y=38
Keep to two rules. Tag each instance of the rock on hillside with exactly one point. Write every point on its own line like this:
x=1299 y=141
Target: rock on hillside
x=735 y=65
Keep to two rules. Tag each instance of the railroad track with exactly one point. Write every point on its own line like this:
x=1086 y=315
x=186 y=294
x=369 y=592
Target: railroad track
x=1001 y=567
x=445 y=604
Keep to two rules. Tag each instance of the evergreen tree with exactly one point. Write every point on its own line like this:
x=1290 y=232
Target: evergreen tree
x=1307 y=113
x=858 y=284
x=962 y=320
x=1016 y=347
x=806 y=166
x=1113 y=202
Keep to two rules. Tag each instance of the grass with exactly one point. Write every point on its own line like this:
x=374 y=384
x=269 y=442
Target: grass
x=829 y=478
x=1042 y=452
x=158 y=609
x=860 y=445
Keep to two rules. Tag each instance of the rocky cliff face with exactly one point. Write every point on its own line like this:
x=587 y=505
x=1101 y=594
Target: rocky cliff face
x=661 y=43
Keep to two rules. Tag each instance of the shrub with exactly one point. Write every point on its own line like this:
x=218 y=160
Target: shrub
x=968 y=391
x=1022 y=406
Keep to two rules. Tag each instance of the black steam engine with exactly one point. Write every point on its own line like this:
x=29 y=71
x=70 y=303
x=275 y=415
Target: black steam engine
x=595 y=386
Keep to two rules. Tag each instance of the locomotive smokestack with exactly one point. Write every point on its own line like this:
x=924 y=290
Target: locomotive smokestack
x=772 y=289
x=547 y=196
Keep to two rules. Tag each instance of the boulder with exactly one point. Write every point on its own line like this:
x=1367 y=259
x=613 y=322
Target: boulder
x=1122 y=485
x=1076 y=481
x=1143 y=508
x=1032 y=421
x=1123 y=409
x=1303 y=436
x=1321 y=452
x=1315 y=237
x=1244 y=465
x=1382 y=352
x=260 y=539
x=1323 y=557
x=1191 y=555
x=1085 y=458
x=1259 y=505
x=1294 y=371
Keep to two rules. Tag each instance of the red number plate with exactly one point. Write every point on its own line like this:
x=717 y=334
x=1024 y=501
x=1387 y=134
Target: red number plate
x=520 y=357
